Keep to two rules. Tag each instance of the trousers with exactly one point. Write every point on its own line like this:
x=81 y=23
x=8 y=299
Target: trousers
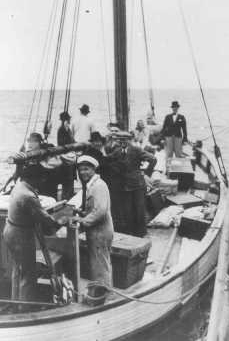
x=99 y=248
x=173 y=144
x=21 y=244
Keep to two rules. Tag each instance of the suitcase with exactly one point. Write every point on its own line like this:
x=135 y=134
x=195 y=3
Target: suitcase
x=193 y=228
x=185 y=199
x=181 y=169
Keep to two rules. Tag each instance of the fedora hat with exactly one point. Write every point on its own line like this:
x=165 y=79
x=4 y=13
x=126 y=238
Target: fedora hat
x=64 y=116
x=85 y=108
x=175 y=104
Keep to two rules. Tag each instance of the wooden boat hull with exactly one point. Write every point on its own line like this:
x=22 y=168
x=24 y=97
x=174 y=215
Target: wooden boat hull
x=117 y=320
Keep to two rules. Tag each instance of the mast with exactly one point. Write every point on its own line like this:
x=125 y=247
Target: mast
x=121 y=98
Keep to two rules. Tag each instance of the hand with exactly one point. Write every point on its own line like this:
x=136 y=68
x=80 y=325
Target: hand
x=77 y=219
x=63 y=221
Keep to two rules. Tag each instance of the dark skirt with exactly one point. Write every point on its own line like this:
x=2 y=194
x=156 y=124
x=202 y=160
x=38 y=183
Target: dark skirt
x=128 y=212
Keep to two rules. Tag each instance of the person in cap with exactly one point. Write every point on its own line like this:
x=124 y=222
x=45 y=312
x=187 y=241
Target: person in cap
x=24 y=214
x=64 y=133
x=83 y=126
x=96 y=220
x=175 y=131
x=127 y=187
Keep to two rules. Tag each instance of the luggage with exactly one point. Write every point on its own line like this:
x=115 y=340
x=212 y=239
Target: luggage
x=128 y=258
x=185 y=199
x=193 y=224
x=154 y=202
x=166 y=217
x=181 y=169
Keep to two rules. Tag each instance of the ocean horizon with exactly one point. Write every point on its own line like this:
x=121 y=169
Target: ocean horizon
x=15 y=107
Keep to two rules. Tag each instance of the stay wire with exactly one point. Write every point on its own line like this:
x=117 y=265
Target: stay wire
x=72 y=54
x=52 y=14
x=46 y=65
x=105 y=61
x=218 y=154
x=56 y=65
x=151 y=96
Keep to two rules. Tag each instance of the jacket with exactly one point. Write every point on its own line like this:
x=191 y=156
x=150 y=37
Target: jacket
x=98 y=220
x=177 y=128
x=132 y=176
x=25 y=210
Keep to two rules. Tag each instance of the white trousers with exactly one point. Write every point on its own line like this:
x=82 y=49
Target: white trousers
x=173 y=145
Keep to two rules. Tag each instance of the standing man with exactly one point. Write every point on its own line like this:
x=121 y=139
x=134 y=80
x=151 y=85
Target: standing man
x=128 y=186
x=67 y=170
x=83 y=126
x=175 y=131
x=64 y=133
x=24 y=213
x=96 y=220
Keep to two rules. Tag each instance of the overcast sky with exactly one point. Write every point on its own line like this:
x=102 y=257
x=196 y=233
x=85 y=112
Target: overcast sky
x=24 y=23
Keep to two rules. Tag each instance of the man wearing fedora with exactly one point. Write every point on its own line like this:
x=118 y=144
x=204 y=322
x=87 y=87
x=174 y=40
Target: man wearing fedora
x=175 y=131
x=64 y=134
x=83 y=126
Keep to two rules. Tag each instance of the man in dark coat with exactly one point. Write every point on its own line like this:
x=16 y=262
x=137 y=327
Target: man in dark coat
x=67 y=171
x=175 y=131
x=127 y=187
x=24 y=213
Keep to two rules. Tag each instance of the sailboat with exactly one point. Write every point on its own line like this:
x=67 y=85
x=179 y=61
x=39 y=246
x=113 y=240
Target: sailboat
x=177 y=267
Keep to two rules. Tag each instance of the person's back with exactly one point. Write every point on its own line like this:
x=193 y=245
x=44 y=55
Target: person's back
x=82 y=126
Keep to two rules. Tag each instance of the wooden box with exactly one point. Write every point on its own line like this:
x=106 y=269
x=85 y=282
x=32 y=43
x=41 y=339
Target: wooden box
x=128 y=258
x=193 y=228
x=181 y=169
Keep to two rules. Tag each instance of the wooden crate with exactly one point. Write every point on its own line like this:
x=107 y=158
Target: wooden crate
x=128 y=258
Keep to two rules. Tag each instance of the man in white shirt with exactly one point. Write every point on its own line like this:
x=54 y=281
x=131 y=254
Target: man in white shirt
x=82 y=126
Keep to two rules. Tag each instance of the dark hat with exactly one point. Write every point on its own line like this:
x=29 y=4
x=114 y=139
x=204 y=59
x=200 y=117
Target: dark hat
x=123 y=135
x=85 y=108
x=35 y=137
x=175 y=104
x=64 y=116
x=96 y=136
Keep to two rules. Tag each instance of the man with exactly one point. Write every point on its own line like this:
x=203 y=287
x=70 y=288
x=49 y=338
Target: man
x=96 y=220
x=128 y=187
x=67 y=170
x=24 y=214
x=82 y=127
x=175 y=131
x=64 y=133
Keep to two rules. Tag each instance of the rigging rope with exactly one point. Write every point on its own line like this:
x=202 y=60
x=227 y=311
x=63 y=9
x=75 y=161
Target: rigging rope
x=105 y=61
x=52 y=15
x=217 y=151
x=46 y=65
x=151 y=96
x=72 y=54
x=55 y=70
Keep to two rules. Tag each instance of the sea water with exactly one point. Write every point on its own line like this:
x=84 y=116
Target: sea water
x=16 y=111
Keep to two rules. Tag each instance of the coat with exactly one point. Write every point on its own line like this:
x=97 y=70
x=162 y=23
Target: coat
x=99 y=230
x=177 y=128
x=132 y=177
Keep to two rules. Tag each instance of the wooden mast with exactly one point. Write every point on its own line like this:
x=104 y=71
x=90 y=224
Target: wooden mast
x=121 y=98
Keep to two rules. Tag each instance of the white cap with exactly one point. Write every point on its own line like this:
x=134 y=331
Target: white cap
x=88 y=159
